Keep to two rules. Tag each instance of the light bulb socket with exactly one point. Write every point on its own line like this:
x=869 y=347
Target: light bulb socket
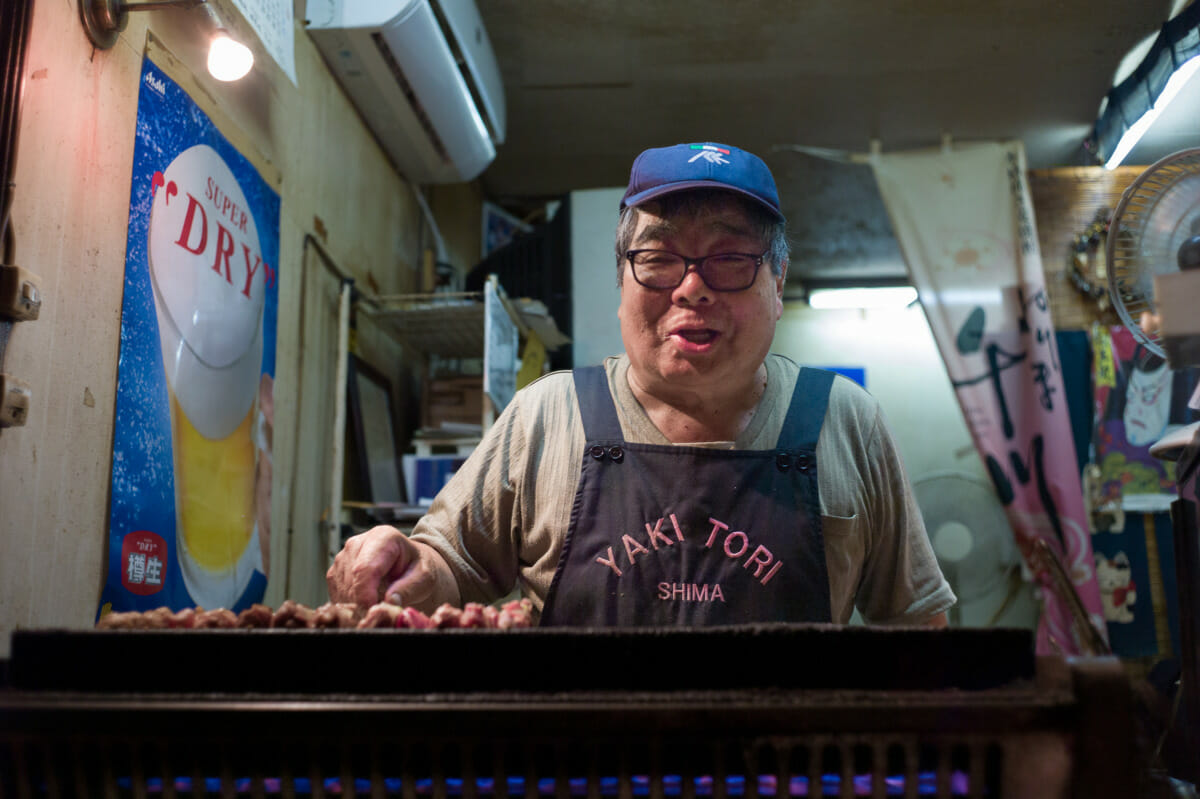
x=103 y=21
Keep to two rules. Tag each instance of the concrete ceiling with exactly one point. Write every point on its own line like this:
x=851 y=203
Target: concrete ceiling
x=590 y=83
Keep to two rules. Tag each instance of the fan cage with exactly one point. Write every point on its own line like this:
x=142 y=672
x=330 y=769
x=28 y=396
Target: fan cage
x=1128 y=271
x=992 y=534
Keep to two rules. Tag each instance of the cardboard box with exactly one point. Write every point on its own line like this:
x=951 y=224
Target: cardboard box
x=453 y=400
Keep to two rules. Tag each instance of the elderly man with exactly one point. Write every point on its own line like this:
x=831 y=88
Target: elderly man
x=696 y=479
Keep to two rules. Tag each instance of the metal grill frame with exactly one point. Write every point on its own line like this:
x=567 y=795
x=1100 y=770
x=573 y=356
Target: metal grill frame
x=1068 y=732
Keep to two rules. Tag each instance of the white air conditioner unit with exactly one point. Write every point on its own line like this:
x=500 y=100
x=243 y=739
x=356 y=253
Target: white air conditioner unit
x=423 y=75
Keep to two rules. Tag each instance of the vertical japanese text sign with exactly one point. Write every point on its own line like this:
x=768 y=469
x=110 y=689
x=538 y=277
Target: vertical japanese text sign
x=964 y=221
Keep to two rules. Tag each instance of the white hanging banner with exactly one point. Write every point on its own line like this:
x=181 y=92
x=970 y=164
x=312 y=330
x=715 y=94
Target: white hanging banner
x=964 y=220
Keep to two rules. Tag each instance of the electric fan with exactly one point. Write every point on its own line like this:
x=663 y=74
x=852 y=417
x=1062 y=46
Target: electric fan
x=969 y=531
x=1154 y=258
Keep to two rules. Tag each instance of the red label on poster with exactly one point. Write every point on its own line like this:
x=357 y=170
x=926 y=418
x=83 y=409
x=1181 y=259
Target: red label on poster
x=143 y=561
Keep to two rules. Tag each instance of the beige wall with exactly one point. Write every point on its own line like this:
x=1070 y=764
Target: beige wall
x=70 y=216
x=458 y=209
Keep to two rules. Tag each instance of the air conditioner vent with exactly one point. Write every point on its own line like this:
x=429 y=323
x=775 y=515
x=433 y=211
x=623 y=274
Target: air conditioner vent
x=385 y=53
x=495 y=130
x=424 y=78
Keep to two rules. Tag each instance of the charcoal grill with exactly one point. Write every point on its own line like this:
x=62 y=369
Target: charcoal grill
x=756 y=711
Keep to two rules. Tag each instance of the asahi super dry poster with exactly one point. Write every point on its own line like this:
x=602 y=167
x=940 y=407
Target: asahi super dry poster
x=191 y=471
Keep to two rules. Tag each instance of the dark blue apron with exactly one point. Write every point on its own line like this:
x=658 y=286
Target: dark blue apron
x=664 y=535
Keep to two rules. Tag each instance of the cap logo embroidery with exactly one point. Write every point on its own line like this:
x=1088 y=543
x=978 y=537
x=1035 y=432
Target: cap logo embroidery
x=709 y=153
x=659 y=171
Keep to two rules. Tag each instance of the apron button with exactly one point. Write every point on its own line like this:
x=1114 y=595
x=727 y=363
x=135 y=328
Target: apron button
x=617 y=454
x=803 y=462
x=597 y=452
x=783 y=461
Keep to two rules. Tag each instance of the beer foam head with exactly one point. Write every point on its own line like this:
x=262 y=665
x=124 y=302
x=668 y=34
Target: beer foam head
x=209 y=287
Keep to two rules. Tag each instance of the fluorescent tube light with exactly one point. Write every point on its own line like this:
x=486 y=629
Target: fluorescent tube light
x=1175 y=83
x=875 y=297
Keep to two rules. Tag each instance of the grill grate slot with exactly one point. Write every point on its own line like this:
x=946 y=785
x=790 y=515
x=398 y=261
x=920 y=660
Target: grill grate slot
x=772 y=768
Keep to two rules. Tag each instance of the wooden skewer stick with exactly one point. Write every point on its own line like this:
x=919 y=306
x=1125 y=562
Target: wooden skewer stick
x=1090 y=639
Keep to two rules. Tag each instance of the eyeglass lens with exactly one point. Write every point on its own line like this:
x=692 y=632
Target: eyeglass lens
x=660 y=269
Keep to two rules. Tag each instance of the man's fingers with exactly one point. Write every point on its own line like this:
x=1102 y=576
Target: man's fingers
x=367 y=570
x=413 y=586
x=361 y=570
x=337 y=578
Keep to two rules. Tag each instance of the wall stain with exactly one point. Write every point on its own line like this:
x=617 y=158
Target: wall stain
x=967 y=256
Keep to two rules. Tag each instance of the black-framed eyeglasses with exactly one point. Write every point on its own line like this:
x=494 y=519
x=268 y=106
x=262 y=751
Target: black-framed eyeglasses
x=723 y=271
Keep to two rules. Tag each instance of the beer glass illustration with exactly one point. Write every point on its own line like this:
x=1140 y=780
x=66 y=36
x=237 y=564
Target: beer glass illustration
x=209 y=289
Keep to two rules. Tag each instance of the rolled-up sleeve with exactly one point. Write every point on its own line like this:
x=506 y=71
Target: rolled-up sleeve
x=901 y=580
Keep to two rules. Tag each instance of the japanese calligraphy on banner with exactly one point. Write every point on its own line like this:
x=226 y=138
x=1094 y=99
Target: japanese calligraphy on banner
x=191 y=472
x=964 y=221
x=273 y=23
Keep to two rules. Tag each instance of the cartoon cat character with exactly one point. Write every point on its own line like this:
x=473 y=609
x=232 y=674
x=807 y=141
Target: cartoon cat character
x=1117 y=590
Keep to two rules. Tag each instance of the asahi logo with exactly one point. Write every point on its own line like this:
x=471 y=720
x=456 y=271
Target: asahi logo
x=156 y=84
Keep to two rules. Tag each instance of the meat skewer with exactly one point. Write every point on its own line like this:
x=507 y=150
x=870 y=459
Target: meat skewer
x=292 y=615
x=415 y=620
x=255 y=616
x=337 y=614
x=331 y=615
x=221 y=618
x=381 y=616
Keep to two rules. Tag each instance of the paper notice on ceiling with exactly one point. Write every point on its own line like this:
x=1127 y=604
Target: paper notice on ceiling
x=273 y=21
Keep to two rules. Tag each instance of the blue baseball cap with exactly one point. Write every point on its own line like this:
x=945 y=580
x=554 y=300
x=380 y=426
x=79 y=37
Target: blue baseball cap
x=663 y=170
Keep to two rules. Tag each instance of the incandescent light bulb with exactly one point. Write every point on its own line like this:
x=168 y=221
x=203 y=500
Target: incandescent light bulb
x=228 y=59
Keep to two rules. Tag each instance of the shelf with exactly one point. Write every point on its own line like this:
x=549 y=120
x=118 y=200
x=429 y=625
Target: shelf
x=450 y=326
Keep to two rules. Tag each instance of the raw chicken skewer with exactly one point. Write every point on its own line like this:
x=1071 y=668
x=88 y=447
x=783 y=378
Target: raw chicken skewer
x=293 y=615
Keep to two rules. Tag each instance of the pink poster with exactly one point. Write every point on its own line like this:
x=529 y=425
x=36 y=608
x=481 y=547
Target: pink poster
x=965 y=224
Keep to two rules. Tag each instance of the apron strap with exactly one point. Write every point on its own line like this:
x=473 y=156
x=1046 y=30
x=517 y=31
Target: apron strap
x=801 y=428
x=806 y=414
x=596 y=408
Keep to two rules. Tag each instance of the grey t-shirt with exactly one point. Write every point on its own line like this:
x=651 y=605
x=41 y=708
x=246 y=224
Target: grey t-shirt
x=502 y=518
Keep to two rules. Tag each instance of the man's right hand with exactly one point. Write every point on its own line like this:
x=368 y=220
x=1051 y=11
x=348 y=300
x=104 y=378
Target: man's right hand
x=383 y=564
